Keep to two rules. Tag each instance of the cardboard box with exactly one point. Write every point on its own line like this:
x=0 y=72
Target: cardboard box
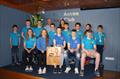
x=53 y=55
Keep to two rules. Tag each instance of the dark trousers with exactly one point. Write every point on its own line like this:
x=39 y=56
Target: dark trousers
x=41 y=59
x=73 y=56
x=100 y=49
x=28 y=57
x=66 y=47
x=15 y=54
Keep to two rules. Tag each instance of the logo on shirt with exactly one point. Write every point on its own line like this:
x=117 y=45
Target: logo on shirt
x=91 y=42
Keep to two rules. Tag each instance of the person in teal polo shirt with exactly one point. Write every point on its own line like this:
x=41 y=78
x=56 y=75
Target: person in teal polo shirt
x=73 y=52
x=89 y=49
x=29 y=46
x=52 y=33
x=42 y=43
x=24 y=29
x=100 y=40
x=38 y=29
x=59 y=42
x=15 y=44
x=66 y=33
x=79 y=32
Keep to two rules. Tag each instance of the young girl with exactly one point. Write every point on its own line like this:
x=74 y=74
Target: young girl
x=62 y=22
x=52 y=33
x=42 y=43
x=15 y=44
x=100 y=40
x=59 y=42
x=89 y=28
x=29 y=46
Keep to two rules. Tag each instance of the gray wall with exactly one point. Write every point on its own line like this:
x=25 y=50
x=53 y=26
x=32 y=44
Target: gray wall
x=8 y=17
x=110 y=19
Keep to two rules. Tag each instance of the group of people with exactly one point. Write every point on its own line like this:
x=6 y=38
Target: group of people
x=76 y=44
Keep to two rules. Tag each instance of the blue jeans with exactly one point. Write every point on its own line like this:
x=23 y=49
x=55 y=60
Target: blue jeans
x=72 y=55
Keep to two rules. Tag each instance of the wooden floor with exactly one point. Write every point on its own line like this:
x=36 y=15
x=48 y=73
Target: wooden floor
x=7 y=74
x=110 y=75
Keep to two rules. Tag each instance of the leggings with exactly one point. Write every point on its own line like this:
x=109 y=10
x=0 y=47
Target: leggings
x=41 y=59
x=28 y=57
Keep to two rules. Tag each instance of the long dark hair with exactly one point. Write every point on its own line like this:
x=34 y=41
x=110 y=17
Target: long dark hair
x=47 y=37
x=60 y=25
x=89 y=26
x=88 y=30
x=27 y=35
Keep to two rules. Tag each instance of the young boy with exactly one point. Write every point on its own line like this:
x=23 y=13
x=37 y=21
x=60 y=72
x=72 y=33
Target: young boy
x=59 y=42
x=38 y=29
x=15 y=44
x=24 y=29
x=100 y=40
x=79 y=32
x=52 y=33
x=66 y=33
x=73 y=52
x=89 y=49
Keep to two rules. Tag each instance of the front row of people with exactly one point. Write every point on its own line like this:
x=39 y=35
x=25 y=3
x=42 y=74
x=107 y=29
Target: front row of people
x=31 y=45
x=73 y=45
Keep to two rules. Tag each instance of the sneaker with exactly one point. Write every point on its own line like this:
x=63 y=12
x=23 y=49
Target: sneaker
x=97 y=73
x=44 y=70
x=31 y=69
x=26 y=69
x=81 y=73
x=59 y=70
x=76 y=71
x=40 y=71
x=67 y=70
x=55 y=71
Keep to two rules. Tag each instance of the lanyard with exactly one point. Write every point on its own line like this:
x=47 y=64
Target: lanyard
x=100 y=37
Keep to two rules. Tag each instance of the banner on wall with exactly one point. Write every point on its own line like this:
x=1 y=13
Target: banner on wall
x=68 y=16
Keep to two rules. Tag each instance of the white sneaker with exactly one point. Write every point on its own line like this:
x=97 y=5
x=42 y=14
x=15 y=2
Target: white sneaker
x=26 y=69
x=67 y=69
x=31 y=69
x=44 y=70
x=40 y=71
x=76 y=71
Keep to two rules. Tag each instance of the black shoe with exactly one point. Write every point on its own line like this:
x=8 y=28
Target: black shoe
x=17 y=63
x=97 y=73
x=81 y=73
x=55 y=71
